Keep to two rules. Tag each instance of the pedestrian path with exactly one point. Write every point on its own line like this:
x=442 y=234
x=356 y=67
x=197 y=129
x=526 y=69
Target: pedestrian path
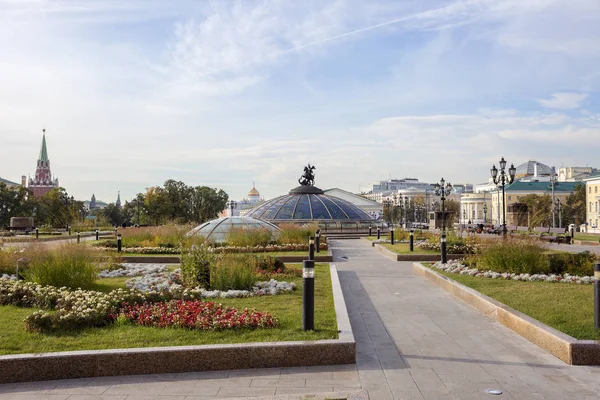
x=414 y=341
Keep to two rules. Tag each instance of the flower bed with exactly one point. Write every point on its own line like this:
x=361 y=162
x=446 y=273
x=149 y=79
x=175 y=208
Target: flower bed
x=222 y=249
x=195 y=315
x=451 y=248
x=133 y=270
x=456 y=267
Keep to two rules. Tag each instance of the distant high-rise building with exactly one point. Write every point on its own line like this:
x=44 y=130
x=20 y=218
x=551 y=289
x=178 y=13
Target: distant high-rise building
x=43 y=182
x=93 y=202
x=118 y=203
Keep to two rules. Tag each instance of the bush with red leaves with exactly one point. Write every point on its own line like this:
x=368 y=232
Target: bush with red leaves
x=196 y=314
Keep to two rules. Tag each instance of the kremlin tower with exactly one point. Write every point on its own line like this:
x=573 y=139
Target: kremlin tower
x=43 y=181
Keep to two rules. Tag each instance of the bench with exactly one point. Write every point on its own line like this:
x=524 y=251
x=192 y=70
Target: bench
x=554 y=235
x=520 y=230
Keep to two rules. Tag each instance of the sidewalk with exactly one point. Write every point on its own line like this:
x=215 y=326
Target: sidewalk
x=414 y=341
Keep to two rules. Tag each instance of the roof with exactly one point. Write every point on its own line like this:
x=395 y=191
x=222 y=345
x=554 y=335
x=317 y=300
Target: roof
x=253 y=192
x=8 y=183
x=43 y=150
x=592 y=178
x=528 y=168
x=542 y=186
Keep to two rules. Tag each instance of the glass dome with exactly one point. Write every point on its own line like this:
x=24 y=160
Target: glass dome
x=529 y=168
x=303 y=207
x=217 y=230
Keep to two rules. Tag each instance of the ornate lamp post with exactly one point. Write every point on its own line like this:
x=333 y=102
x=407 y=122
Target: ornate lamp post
x=387 y=210
x=559 y=208
x=443 y=189
x=484 y=213
x=231 y=204
x=553 y=179
x=502 y=180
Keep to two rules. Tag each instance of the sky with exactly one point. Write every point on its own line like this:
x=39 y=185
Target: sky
x=226 y=93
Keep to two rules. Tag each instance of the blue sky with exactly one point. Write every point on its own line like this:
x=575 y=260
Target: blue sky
x=224 y=93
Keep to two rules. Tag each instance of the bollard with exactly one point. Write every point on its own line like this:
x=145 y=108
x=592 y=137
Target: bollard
x=97 y=234
x=311 y=248
x=119 y=243
x=597 y=296
x=308 y=295
x=318 y=241
x=69 y=231
x=443 y=246
x=116 y=231
x=37 y=233
x=412 y=240
x=370 y=228
x=78 y=237
x=392 y=236
x=378 y=233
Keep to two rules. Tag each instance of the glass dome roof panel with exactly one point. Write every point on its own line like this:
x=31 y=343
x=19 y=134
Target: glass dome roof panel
x=335 y=210
x=303 y=208
x=287 y=210
x=318 y=208
x=273 y=207
x=219 y=229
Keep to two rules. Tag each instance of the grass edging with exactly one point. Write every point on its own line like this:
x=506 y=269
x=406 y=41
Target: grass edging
x=559 y=344
x=175 y=359
x=174 y=259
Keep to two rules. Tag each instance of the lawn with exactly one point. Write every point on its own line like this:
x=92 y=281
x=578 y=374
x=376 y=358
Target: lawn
x=273 y=254
x=587 y=236
x=565 y=307
x=286 y=307
x=403 y=248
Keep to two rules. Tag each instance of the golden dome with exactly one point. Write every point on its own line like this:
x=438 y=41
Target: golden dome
x=253 y=192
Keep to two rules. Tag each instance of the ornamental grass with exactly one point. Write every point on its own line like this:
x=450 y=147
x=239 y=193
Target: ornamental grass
x=241 y=237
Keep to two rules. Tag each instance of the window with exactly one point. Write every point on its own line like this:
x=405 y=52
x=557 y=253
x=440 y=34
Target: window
x=595 y=189
x=509 y=197
x=590 y=190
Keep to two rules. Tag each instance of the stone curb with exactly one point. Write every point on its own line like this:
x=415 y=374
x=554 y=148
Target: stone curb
x=359 y=395
x=559 y=344
x=175 y=359
x=413 y=257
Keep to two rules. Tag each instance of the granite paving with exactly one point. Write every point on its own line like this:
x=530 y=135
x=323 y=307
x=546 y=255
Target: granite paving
x=414 y=341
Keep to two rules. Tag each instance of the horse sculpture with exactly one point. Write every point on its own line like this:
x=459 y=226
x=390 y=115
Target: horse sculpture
x=308 y=178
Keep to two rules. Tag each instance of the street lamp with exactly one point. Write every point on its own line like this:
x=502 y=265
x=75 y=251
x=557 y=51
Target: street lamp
x=484 y=213
x=387 y=210
x=553 y=179
x=231 y=204
x=443 y=189
x=502 y=180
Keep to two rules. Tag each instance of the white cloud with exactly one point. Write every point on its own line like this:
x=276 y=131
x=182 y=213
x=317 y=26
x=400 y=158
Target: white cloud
x=564 y=100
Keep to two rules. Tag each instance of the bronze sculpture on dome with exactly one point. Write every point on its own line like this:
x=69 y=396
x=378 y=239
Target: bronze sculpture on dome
x=308 y=178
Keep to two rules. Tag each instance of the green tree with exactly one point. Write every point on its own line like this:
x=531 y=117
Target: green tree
x=58 y=209
x=14 y=202
x=206 y=203
x=113 y=214
x=539 y=208
x=573 y=212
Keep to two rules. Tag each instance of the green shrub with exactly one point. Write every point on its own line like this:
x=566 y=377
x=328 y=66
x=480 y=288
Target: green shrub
x=401 y=234
x=514 y=255
x=8 y=261
x=196 y=262
x=70 y=265
x=249 y=237
x=581 y=264
x=267 y=264
x=233 y=272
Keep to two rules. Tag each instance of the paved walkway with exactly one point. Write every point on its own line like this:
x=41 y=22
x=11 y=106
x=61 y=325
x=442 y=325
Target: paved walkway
x=414 y=341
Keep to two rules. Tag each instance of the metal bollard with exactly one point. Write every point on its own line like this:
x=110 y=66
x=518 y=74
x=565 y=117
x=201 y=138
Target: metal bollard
x=78 y=237
x=378 y=233
x=311 y=248
x=97 y=234
x=443 y=246
x=119 y=243
x=318 y=241
x=69 y=231
x=392 y=236
x=370 y=229
x=412 y=240
x=308 y=295
x=597 y=296
x=37 y=233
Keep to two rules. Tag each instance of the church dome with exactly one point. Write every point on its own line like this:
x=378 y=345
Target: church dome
x=219 y=229
x=253 y=192
x=307 y=204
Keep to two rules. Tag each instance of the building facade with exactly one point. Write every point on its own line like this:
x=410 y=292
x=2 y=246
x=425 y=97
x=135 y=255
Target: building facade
x=592 y=204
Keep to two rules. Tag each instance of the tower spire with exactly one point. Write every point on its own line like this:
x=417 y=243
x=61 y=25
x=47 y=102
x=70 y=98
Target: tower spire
x=43 y=150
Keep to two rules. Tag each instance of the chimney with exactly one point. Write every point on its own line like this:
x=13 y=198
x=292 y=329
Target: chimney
x=23 y=180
